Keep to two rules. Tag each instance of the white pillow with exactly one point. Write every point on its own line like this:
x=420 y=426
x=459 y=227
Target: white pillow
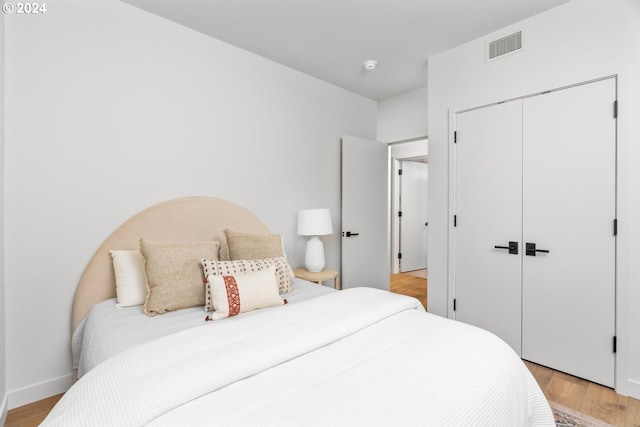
x=284 y=273
x=239 y=293
x=130 y=282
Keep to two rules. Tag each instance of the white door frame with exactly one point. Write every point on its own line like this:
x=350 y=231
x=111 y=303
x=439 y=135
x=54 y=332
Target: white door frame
x=399 y=151
x=413 y=222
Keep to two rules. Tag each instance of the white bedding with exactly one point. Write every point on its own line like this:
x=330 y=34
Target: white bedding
x=357 y=357
x=107 y=330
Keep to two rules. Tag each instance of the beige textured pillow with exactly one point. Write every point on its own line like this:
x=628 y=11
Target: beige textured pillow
x=239 y=293
x=283 y=272
x=223 y=255
x=174 y=275
x=252 y=246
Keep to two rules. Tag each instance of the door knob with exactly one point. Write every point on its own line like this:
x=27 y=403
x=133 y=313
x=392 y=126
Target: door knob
x=349 y=234
x=531 y=249
x=513 y=248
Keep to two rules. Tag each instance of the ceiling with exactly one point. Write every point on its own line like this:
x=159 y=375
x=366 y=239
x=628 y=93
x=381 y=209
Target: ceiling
x=330 y=39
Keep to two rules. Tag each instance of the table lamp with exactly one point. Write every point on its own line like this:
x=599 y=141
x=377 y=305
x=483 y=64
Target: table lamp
x=314 y=223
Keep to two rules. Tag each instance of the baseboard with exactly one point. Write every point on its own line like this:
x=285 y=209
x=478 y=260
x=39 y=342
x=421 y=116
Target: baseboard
x=35 y=392
x=3 y=411
x=634 y=389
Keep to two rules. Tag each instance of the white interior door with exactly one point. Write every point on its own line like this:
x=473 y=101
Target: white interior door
x=413 y=223
x=569 y=208
x=488 y=208
x=365 y=213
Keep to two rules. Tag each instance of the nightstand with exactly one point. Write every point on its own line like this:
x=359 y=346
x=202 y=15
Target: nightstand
x=326 y=274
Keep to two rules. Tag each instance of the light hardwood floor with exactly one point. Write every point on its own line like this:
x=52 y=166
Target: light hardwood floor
x=410 y=284
x=592 y=399
x=31 y=415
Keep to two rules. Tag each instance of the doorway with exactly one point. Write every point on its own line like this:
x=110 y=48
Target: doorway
x=412 y=214
x=409 y=223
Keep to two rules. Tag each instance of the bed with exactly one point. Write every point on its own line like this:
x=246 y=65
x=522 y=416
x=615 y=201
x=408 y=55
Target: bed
x=360 y=356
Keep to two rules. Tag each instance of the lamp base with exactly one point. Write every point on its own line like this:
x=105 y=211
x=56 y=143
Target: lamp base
x=314 y=258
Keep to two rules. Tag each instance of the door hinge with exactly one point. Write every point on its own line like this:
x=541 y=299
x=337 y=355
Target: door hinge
x=399 y=214
x=454 y=304
x=615 y=344
x=615 y=109
x=399 y=171
x=615 y=227
x=455 y=137
x=455 y=220
x=399 y=255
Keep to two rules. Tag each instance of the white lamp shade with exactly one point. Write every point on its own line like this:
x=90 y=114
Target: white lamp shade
x=314 y=222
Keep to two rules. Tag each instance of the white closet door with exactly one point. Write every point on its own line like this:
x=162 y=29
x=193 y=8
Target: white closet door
x=569 y=148
x=413 y=224
x=488 y=156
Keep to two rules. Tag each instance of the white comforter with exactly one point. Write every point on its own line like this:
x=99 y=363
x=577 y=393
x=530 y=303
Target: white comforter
x=357 y=357
x=108 y=330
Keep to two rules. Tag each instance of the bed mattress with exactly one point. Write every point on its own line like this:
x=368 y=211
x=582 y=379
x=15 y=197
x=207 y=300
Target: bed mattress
x=108 y=329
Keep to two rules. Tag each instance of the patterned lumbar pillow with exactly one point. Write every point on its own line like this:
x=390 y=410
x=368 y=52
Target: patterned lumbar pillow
x=239 y=293
x=283 y=272
x=174 y=275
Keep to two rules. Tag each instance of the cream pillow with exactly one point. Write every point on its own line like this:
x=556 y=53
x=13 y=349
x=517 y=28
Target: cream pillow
x=173 y=273
x=129 y=273
x=239 y=293
x=252 y=246
x=283 y=272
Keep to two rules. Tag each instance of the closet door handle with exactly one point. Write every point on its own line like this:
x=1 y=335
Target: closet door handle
x=531 y=249
x=513 y=248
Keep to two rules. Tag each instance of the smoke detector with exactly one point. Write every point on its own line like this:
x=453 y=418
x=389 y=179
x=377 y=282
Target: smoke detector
x=370 y=64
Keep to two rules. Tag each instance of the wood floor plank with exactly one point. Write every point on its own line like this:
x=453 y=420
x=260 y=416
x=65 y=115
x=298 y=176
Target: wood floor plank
x=407 y=284
x=542 y=374
x=633 y=413
x=605 y=404
x=31 y=415
x=589 y=398
x=567 y=390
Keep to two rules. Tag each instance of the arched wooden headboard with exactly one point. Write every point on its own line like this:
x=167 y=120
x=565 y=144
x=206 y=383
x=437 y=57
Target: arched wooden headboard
x=188 y=219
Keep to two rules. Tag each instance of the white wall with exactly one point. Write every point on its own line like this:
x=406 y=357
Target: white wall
x=403 y=116
x=3 y=377
x=111 y=109
x=578 y=41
